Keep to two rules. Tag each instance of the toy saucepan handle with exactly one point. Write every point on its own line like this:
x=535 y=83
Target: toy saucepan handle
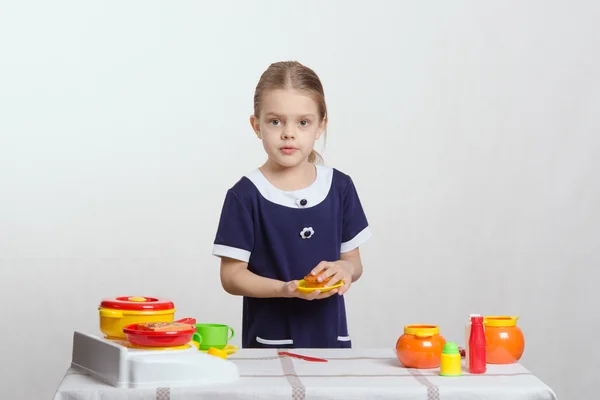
x=189 y=321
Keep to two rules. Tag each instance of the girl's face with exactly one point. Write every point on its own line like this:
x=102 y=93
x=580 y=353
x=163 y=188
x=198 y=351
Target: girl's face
x=288 y=124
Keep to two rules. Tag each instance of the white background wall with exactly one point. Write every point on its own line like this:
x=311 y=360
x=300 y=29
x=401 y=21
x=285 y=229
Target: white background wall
x=471 y=130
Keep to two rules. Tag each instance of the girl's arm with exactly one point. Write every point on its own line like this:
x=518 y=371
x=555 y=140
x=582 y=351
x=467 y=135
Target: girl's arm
x=353 y=257
x=239 y=281
x=348 y=268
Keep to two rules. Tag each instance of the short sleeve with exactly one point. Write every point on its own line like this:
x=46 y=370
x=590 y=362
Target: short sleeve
x=235 y=233
x=355 y=227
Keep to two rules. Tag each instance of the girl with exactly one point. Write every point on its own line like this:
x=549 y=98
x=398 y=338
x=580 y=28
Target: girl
x=289 y=218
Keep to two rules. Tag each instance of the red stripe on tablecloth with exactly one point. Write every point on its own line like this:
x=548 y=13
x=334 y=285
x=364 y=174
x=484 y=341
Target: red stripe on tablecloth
x=163 y=393
x=433 y=392
x=298 y=390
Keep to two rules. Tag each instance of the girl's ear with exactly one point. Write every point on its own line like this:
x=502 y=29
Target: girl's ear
x=322 y=127
x=255 y=125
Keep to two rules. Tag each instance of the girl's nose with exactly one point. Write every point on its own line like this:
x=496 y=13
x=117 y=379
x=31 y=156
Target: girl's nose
x=288 y=133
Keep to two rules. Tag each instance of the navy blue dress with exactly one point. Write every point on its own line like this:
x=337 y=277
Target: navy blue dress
x=284 y=235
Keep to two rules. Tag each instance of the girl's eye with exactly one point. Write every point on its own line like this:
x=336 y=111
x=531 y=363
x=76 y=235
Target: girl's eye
x=275 y=122
x=304 y=123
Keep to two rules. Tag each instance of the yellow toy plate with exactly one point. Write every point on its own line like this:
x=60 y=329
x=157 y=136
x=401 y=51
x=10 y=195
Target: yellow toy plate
x=229 y=349
x=302 y=287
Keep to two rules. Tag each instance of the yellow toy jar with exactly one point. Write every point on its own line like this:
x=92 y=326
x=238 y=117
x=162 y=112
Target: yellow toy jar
x=118 y=312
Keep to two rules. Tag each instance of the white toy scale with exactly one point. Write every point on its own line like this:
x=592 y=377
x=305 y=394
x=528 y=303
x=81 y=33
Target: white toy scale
x=120 y=365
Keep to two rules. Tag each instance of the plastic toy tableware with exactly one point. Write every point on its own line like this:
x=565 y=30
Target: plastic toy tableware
x=477 y=347
x=229 y=349
x=119 y=312
x=505 y=342
x=301 y=357
x=420 y=346
x=217 y=353
x=213 y=335
x=450 y=361
x=302 y=287
x=160 y=339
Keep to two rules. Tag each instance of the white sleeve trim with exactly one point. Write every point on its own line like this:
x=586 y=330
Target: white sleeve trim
x=220 y=250
x=358 y=240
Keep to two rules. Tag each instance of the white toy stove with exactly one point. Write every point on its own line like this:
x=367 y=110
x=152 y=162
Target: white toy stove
x=119 y=364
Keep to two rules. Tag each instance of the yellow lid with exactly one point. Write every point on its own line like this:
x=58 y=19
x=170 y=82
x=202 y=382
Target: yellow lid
x=422 y=330
x=500 y=321
x=139 y=299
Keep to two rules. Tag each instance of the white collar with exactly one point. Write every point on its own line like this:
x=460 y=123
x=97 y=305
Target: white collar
x=303 y=198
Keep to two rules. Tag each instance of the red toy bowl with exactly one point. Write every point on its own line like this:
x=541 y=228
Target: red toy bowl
x=145 y=338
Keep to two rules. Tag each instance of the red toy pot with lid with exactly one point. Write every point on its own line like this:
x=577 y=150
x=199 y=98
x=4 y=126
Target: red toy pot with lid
x=420 y=346
x=118 y=312
x=160 y=339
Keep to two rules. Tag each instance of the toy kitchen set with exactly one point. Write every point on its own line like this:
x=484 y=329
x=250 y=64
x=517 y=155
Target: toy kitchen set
x=143 y=346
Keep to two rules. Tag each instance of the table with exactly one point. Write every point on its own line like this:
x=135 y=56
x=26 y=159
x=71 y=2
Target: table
x=349 y=374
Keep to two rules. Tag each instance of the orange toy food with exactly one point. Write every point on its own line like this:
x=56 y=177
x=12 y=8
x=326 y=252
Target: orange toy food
x=164 y=326
x=311 y=281
x=420 y=346
x=504 y=340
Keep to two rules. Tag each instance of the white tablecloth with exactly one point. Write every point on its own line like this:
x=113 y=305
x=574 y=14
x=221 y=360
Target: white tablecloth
x=349 y=374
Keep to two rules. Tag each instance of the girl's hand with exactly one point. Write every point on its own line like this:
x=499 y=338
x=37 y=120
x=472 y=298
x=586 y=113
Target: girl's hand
x=289 y=290
x=341 y=270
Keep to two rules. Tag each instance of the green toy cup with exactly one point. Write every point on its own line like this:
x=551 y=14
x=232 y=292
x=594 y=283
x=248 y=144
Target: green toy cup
x=212 y=335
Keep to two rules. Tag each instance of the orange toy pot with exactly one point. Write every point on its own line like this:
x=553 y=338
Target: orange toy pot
x=420 y=346
x=504 y=340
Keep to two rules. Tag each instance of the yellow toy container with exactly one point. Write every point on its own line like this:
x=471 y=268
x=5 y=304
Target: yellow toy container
x=118 y=312
x=450 y=361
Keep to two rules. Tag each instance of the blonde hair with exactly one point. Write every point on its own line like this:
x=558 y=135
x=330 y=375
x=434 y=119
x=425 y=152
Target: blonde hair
x=293 y=75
